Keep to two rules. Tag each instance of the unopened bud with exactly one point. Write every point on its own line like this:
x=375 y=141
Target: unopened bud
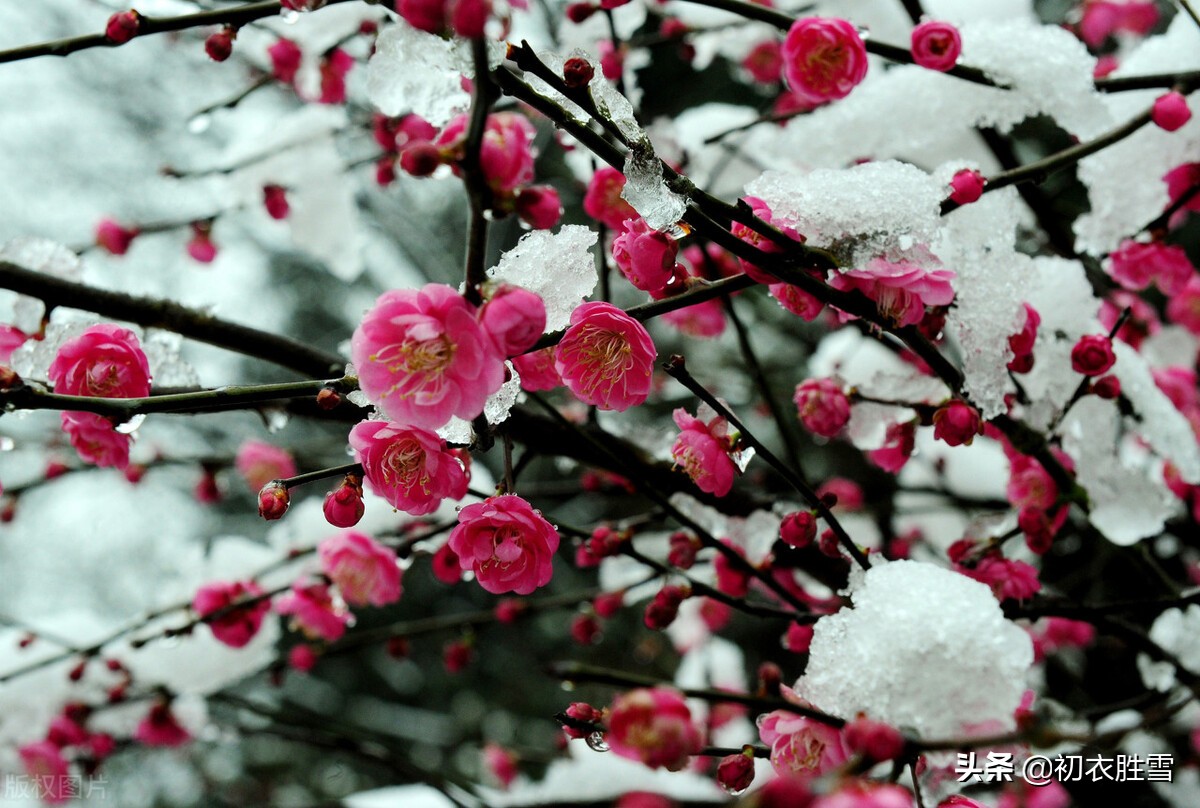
x=421 y=159
x=344 y=505
x=273 y=500
x=578 y=72
x=735 y=773
x=219 y=46
x=122 y=27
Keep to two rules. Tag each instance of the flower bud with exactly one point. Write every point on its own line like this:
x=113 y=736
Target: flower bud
x=1108 y=387
x=1170 y=111
x=581 y=713
x=275 y=201
x=421 y=159
x=114 y=238
x=1092 y=355
x=273 y=500
x=457 y=655
x=735 y=773
x=957 y=423
x=122 y=27
x=539 y=206
x=663 y=610
x=219 y=46
x=966 y=187
x=578 y=72
x=585 y=629
x=608 y=604
x=328 y=398
x=344 y=505
x=799 y=528
x=936 y=45
x=683 y=549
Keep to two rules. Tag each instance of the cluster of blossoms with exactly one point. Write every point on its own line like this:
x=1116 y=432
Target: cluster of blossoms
x=867 y=304
x=105 y=361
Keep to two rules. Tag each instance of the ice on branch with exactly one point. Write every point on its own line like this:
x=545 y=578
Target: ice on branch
x=415 y=71
x=977 y=243
x=1124 y=181
x=1127 y=505
x=557 y=266
x=922 y=647
x=879 y=209
x=646 y=191
x=38 y=255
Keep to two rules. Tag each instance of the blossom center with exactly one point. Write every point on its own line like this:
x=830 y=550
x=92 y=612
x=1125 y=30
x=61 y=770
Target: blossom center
x=607 y=356
x=404 y=464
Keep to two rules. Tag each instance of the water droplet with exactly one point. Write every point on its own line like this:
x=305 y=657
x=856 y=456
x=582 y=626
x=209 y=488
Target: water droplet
x=290 y=16
x=275 y=419
x=568 y=686
x=6 y=443
x=596 y=741
x=199 y=124
x=130 y=426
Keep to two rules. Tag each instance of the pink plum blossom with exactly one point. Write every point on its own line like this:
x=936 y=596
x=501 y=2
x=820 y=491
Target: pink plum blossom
x=314 y=611
x=506 y=153
x=411 y=468
x=1008 y=578
x=1135 y=264
x=234 y=626
x=160 y=728
x=259 y=463
x=801 y=746
x=654 y=726
x=285 y=60
x=936 y=45
x=753 y=237
x=364 y=571
x=514 y=318
x=606 y=357
x=603 y=201
x=537 y=370
x=423 y=358
x=95 y=440
x=898 y=444
x=105 y=361
x=824 y=409
x=539 y=206
x=702 y=450
x=900 y=290
x=1184 y=308
x=47 y=769
x=823 y=59
x=645 y=257
x=506 y=543
x=1103 y=18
